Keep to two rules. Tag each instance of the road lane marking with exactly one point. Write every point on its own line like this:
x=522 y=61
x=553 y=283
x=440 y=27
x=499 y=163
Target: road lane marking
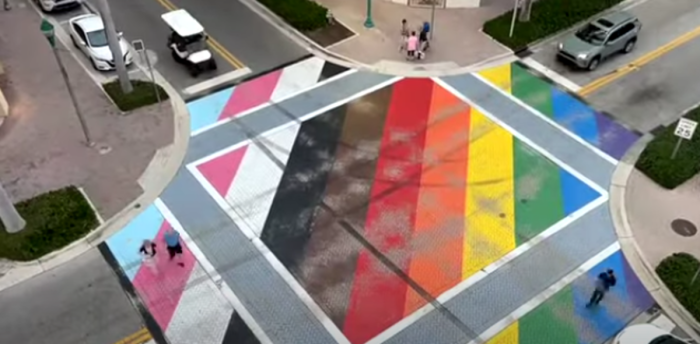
x=638 y=63
x=216 y=81
x=216 y=46
x=139 y=337
x=556 y=77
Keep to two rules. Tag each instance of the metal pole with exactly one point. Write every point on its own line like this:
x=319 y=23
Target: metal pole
x=512 y=21
x=432 y=19
x=12 y=220
x=675 y=149
x=78 y=113
x=368 y=21
x=113 y=40
x=153 y=78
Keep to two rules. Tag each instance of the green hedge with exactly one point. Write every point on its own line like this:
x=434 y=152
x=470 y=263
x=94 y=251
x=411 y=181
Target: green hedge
x=143 y=94
x=547 y=18
x=54 y=220
x=677 y=272
x=303 y=15
x=655 y=161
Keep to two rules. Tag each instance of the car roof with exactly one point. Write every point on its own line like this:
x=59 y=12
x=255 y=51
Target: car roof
x=182 y=23
x=89 y=22
x=614 y=18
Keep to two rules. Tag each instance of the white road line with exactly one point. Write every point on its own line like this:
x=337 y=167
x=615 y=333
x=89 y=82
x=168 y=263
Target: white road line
x=216 y=81
x=546 y=294
x=213 y=274
x=566 y=131
x=472 y=280
x=556 y=77
x=269 y=103
x=523 y=138
x=305 y=298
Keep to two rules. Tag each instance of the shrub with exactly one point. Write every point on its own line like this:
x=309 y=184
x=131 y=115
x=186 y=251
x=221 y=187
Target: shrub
x=655 y=161
x=677 y=272
x=142 y=95
x=303 y=15
x=547 y=18
x=54 y=220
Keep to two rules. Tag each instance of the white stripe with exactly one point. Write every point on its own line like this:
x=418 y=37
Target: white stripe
x=305 y=298
x=473 y=279
x=269 y=103
x=525 y=139
x=298 y=77
x=202 y=315
x=566 y=131
x=255 y=184
x=216 y=81
x=546 y=294
x=213 y=274
x=558 y=78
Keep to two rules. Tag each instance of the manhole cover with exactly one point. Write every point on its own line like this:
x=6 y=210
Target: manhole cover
x=684 y=227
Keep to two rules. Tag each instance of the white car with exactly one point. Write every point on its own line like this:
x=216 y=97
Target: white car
x=56 y=5
x=88 y=34
x=646 y=334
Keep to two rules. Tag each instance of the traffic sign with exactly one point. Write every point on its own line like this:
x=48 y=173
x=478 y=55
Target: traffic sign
x=138 y=45
x=686 y=128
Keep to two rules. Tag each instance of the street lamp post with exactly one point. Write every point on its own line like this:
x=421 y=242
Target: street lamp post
x=12 y=220
x=368 y=21
x=48 y=31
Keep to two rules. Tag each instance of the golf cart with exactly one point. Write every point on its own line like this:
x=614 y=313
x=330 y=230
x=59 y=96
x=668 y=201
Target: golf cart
x=188 y=42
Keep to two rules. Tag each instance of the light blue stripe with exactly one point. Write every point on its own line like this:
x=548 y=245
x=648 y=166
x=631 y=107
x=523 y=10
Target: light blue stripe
x=574 y=193
x=125 y=244
x=206 y=110
x=575 y=116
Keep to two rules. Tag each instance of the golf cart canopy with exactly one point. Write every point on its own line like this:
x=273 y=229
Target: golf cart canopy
x=182 y=23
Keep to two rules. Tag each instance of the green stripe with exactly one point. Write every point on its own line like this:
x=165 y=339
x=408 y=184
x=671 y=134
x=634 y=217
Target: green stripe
x=531 y=89
x=538 y=201
x=551 y=322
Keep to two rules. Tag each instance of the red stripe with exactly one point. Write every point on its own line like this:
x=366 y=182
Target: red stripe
x=251 y=94
x=378 y=296
x=221 y=171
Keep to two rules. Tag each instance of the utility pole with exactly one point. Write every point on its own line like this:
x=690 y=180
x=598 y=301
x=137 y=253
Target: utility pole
x=432 y=18
x=369 y=23
x=8 y=213
x=113 y=40
x=525 y=10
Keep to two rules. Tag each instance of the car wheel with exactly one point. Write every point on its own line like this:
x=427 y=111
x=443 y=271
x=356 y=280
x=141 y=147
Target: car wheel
x=175 y=56
x=94 y=65
x=629 y=46
x=593 y=65
x=194 y=70
x=212 y=64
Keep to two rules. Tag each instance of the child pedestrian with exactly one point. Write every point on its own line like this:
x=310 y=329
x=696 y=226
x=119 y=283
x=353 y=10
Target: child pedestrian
x=604 y=282
x=404 y=35
x=412 y=46
x=425 y=30
x=172 y=241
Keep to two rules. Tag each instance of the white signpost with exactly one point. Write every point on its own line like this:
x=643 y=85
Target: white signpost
x=684 y=130
x=141 y=49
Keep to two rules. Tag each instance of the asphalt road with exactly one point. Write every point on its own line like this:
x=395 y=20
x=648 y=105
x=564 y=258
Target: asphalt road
x=80 y=302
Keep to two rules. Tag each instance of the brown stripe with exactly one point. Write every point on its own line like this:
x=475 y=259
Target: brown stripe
x=331 y=256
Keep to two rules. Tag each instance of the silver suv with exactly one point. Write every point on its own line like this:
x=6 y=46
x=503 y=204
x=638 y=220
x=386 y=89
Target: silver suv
x=600 y=39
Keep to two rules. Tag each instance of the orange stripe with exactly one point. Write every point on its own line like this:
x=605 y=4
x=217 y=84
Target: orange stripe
x=438 y=236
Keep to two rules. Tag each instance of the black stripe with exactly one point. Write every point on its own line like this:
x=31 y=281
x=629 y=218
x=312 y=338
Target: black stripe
x=330 y=70
x=148 y=320
x=287 y=228
x=246 y=78
x=238 y=332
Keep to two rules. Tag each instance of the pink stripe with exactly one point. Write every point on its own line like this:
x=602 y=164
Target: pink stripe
x=251 y=94
x=162 y=284
x=221 y=171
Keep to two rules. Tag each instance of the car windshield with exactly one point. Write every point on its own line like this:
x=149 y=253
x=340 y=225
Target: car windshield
x=666 y=339
x=97 y=38
x=591 y=34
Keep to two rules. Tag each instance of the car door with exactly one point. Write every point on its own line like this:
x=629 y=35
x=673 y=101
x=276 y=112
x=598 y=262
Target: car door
x=80 y=38
x=617 y=39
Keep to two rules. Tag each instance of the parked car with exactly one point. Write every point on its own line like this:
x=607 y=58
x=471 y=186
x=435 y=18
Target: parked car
x=602 y=38
x=646 y=334
x=88 y=34
x=56 y=5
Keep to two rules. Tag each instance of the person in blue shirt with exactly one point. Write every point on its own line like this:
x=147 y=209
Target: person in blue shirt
x=424 y=36
x=172 y=243
x=603 y=283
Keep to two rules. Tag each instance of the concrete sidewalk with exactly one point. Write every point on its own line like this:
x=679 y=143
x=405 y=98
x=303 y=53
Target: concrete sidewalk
x=42 y=148
x=642 y=212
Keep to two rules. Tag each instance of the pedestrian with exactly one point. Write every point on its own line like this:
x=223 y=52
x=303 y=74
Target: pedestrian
x=603 y=283
x=148 y=250
x=172 y=241
x=411 y=46
x=404 y=35
x=425 y=29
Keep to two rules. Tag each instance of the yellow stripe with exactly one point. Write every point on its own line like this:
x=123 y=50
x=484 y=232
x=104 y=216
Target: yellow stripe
x=139 y=337
x=499 y=76
x=213 y=44
x=490 y=230
x=507 y=336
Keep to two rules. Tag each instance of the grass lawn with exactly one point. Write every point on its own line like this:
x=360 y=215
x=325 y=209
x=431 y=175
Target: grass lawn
x=655 y=161
x=143 y=95
x=677 y=272
x=54 y=220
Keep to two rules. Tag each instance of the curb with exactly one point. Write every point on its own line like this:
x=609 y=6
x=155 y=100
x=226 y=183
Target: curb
x=640 y=265
x=157 y=175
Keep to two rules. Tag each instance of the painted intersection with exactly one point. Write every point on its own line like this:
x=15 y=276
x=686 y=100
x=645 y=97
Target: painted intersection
x=563 y=108
x=409 y=172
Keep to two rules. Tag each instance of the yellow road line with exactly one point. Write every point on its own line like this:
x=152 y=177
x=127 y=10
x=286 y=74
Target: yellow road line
x=213 y=44
x=139 y=337
x=636 y=64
